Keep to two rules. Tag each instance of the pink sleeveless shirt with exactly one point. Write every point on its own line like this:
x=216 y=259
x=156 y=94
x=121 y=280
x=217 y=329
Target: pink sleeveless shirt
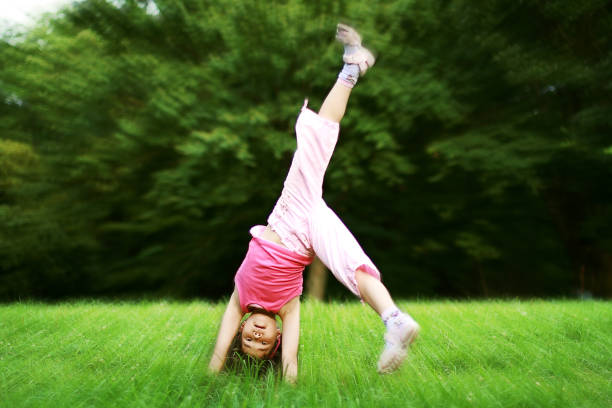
x=270 y=274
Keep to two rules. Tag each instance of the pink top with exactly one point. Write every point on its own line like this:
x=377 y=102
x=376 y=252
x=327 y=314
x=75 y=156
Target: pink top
x=270 y=275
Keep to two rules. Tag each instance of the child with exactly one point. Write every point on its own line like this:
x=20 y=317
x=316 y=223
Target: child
x=269 y=281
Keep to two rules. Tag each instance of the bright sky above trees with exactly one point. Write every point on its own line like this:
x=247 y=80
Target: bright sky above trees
x=25 y=11
x=22 y=11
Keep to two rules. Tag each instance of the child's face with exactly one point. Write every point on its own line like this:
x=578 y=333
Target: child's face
x=258 y=335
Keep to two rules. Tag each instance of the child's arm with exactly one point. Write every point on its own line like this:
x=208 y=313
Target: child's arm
x=291 y=338
x=229 y=326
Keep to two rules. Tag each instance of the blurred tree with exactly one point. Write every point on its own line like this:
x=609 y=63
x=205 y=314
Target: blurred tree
x=139 y=140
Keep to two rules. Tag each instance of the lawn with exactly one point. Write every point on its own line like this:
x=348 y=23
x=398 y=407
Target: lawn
x=539 y=353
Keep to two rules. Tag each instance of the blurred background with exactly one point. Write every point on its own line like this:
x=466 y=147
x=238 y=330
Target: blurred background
x=140 y=139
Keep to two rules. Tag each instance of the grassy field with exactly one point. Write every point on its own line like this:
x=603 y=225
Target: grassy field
x=154 y=354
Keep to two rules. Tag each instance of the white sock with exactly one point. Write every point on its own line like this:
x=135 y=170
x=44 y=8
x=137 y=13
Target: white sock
x=390 y=314
x=349 y=75
x=395 y=319
x=350 y=72
x=401 y=331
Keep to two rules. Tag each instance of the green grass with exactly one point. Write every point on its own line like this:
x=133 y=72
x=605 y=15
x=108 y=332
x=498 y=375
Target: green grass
x=469 y=354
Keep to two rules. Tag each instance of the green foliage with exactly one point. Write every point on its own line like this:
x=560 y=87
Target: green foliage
x=139 y=140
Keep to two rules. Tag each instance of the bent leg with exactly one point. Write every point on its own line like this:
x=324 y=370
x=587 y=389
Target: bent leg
x=373 y=292
x=339 y=250
x=341 y=253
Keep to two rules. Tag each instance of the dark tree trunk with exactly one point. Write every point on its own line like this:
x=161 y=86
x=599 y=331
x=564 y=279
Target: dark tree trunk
x=316 y=280
x=592 y=266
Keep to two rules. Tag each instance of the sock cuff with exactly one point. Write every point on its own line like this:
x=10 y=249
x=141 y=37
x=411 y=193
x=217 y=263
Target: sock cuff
x=390 y=313
x=346 y=83
x=351 y=49
x=349 y=74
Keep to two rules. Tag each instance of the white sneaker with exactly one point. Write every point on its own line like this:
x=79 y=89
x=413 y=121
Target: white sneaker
x=362 y=57
x=396 y=342
x=354 y=52
x=347 y=35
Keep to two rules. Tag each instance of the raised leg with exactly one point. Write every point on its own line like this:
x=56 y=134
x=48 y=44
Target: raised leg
x=357 y=61
x=334 y=105
x=333 y=242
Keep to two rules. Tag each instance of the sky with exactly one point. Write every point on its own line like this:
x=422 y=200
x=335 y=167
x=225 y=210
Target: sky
x=21 y=11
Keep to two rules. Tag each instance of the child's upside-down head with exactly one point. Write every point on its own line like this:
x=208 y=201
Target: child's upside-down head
x=259 y=337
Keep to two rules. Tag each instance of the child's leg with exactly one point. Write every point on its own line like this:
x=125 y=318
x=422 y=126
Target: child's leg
x=341 y=253
x=334 y=105
x=316 y=139
x=373 y=292
x=401 y=327
x=357 y=61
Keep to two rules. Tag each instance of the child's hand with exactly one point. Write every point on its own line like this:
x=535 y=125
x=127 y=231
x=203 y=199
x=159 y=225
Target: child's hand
x=215 y=365
x=290 y=373
x=291 y=339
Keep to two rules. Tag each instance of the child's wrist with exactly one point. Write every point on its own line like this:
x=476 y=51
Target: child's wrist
x=290 y=373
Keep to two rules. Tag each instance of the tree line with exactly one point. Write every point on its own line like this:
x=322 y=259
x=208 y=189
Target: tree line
x=140 y=140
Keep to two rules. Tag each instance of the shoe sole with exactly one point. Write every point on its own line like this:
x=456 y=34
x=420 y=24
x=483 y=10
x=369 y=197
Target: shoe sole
x=363 y=58
x=401 y=354
x=347 y=35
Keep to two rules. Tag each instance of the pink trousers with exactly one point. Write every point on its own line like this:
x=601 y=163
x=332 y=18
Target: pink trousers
x=303 y=221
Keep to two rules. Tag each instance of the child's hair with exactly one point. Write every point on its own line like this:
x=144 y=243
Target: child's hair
x=238 y=360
